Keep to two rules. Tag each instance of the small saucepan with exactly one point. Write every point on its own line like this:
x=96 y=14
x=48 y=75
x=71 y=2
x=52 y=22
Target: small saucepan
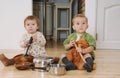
x=40 y=63
x=57 y=69
x=53 y=69
x=50 y=65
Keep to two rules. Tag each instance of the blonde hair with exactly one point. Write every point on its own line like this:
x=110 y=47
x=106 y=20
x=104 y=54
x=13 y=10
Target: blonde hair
x=33 y=18
x=79 y=15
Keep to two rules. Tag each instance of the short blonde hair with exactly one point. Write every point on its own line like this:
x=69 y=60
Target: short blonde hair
x=33 y=18
x=80 y=15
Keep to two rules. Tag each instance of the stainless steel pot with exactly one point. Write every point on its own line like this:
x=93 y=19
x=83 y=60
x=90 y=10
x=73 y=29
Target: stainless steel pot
x=46 y=64
x=41 y=63
x=57 y=69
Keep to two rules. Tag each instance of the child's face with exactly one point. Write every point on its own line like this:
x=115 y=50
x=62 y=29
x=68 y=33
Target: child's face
x=31 y=26
x=80 y=25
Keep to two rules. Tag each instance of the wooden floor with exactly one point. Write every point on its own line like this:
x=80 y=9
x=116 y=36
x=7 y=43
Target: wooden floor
x=108 y=65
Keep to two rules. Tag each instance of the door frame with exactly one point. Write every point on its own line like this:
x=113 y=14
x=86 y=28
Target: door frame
x=91 y=13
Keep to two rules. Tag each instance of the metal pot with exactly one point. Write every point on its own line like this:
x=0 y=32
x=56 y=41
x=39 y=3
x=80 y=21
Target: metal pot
x=41 y=63
x=57 y=69
x=46 y=64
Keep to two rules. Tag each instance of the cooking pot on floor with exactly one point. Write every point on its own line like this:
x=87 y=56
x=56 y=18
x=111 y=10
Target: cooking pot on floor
x=42 y=63
x=53 y=69
x=57 y=69
x=49 y=64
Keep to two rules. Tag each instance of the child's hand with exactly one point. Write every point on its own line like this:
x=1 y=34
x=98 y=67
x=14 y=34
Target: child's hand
x=79 y=49
x=34 y=37
x=72 y=42
x=26 y=43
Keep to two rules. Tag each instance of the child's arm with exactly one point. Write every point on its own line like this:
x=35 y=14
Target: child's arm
x=92 y=44
x=41 y=39
x=70 y=45
x=67 y=46
x=88 y=49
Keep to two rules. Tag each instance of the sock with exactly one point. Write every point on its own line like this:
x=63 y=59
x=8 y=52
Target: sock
x=89 y=64
x=69 y=65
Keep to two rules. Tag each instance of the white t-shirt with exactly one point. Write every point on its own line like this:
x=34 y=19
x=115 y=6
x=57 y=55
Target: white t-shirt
x=78 y=37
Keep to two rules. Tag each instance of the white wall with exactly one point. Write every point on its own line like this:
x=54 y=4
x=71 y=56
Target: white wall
x=12 y=14
x=90 y=12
